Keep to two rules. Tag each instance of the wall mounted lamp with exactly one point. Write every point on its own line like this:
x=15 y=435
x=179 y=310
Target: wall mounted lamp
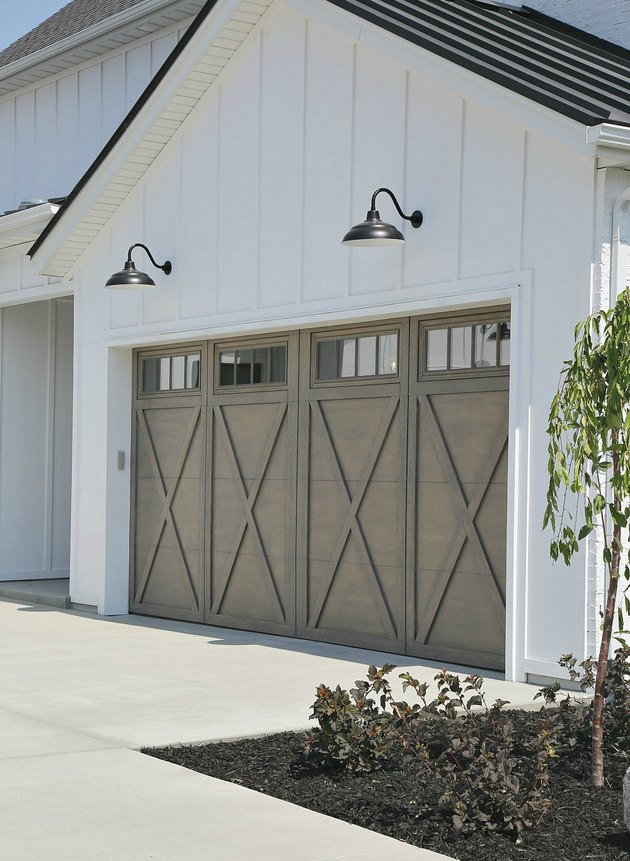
x=129 y=278
x=373 y=231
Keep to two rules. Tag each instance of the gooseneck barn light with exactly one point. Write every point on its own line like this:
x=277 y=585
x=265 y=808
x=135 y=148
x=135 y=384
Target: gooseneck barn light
x=130 y=278
x=373 y=231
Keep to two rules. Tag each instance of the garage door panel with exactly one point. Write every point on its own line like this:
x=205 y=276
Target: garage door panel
x=168 y=493
x=458 y=494
x=166 y=586
x=252 y=498
x=352 y=489
x=251 y=440
x=467 y=618
x=238 y=599
x=356 y=436
x=184 y=509
x=169 y=432
x=466 y=426
x=354 y=601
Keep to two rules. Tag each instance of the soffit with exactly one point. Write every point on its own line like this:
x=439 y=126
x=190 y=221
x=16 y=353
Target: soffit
x=196 y=62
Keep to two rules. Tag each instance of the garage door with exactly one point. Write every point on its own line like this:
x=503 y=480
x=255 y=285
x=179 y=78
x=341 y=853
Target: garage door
x=347 y=485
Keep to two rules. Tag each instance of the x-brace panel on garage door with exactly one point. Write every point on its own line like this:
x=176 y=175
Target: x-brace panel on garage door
x=167 y=495
x=351 y=521
x=467 y=512
x=248 y=501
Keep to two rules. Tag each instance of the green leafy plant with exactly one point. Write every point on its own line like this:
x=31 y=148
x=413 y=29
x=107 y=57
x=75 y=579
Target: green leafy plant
x=488 y=781
x=589 y=461
x=571 y=721
x=352 y=731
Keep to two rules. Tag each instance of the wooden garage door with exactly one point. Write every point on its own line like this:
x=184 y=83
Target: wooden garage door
x=168 y=486
x=458 y=444
x=351 y=497
x=252 y=420
x=363 y=503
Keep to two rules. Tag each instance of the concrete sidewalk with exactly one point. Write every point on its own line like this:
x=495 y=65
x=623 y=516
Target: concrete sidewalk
x=80 y=692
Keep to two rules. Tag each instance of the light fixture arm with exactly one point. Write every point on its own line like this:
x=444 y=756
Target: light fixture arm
x=166 y=267
x=416 y=216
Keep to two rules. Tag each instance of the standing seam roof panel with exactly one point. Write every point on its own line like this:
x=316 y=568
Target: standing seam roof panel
x=577 y=77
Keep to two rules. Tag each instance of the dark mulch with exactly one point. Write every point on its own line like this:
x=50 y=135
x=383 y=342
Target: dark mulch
x=401 y=801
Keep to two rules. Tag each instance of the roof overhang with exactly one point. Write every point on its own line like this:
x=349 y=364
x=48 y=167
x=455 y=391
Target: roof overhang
x=198 y=59
x=24 y=226
x=612 y=143
x=127 y=26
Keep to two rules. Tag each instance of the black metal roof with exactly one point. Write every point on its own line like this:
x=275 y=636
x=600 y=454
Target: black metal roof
x=565 y=69
x=72 y=18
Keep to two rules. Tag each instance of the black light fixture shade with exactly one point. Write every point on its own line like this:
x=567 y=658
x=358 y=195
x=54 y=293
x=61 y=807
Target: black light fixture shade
x=130 y=278
x=373 y=231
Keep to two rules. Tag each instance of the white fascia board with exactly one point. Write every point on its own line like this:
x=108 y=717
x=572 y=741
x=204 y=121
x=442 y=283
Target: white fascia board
x=115 y=160
x=105 y=27
x=612 y=144
x=609 y=134
x=468 y=84
x=29 y=222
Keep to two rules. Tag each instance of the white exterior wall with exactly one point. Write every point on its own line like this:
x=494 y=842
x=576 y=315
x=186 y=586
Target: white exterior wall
x=36 y=341
x=52 y=131
x=250 y=202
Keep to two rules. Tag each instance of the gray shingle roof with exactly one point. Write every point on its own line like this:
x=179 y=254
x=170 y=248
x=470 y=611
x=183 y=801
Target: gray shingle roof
x=72 y=18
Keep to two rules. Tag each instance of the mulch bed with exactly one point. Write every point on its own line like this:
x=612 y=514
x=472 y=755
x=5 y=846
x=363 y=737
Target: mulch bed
x=401 y=801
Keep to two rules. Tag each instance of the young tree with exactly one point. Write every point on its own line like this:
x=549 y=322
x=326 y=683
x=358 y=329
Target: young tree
x=589 y=469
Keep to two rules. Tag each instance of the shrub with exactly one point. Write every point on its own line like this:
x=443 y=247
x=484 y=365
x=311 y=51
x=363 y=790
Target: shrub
x=487 y=782
x=352 y=731
x=571 y=721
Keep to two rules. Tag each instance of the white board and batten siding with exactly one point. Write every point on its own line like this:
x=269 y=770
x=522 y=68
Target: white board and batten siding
x=51 y=132
x=250 y=201
x=35 y=444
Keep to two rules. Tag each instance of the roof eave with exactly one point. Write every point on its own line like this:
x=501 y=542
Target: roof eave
x=612 y=144
x=89 y=36
x=25 y=225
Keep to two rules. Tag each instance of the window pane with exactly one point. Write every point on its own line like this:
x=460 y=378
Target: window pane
x=226 y=370
x=192 y=371
x=326 y=364
x=243 y=367
x=165 y=374
x=261 y=365
x=505 y=330
x=367 y=356
x=178 y=372
x=278 y=365
x=387 y=354
x=461 y=346
x=437 y=342
x=347 y=348
x=485 y=345
x=150 y=375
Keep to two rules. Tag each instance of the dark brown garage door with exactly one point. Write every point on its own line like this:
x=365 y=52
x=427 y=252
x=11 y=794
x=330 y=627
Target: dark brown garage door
x=364 y=503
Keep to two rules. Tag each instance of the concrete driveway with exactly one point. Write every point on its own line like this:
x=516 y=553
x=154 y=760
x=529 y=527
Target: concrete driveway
x=80 y=692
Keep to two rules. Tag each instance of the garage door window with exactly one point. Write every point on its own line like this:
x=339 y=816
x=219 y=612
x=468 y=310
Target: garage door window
x=357 y=357
x=253 y=366
x=170 y=373
x=470 y=347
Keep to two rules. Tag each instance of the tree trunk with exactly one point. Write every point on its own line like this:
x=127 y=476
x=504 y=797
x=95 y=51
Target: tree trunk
x=604 y=649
